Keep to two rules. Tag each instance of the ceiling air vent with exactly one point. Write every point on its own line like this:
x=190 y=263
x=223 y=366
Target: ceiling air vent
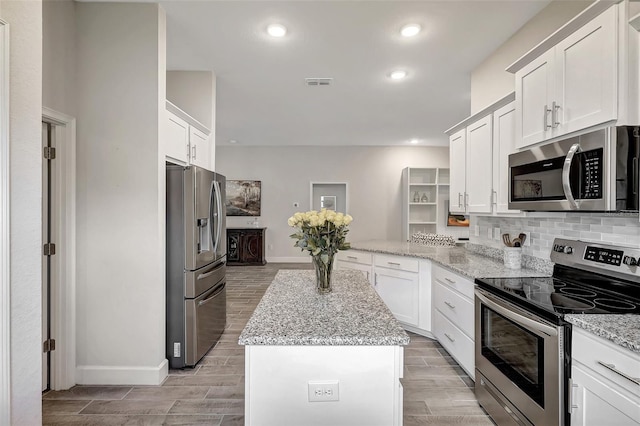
x=318 y=81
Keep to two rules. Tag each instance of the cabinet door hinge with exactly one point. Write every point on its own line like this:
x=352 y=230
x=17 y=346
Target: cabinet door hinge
x=49 y=249
x=49 y=345
x=49 y=152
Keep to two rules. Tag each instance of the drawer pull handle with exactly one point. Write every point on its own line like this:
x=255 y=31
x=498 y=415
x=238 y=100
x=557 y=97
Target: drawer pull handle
x=613 y=368
x=394 y=263
x=450 y=305
x=451 y=339
x=449 y=280
x=352 y=257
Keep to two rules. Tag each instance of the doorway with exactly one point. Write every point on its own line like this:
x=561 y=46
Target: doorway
x=59 y=250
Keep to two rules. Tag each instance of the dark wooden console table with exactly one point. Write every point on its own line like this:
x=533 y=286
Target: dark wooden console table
x=245 y=246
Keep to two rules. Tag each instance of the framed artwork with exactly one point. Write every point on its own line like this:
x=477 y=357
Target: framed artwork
x=457 y=220
x=328 y=202
x=243 y=197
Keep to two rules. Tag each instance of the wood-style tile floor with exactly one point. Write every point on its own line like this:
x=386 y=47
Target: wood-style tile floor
x=436 y=390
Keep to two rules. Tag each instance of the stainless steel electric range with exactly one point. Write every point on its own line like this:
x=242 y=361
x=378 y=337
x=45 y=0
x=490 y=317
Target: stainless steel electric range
x=522 y=340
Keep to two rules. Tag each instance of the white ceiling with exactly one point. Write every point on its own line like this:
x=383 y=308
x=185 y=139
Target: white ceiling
x=262 y=98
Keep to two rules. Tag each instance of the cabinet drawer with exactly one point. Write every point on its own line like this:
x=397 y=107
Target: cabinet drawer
x=354 y=257
x=455 y=342
x=455 y=281
x=591 y=351
x=455 y=307
x=396 y=262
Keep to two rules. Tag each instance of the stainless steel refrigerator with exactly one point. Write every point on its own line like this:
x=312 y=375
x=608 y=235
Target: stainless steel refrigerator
x=196 y=263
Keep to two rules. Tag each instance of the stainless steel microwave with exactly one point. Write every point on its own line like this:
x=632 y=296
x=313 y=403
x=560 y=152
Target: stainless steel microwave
x=596 y=171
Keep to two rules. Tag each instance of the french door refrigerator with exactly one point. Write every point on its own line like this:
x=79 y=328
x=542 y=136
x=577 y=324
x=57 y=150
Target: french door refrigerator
x=196 y=263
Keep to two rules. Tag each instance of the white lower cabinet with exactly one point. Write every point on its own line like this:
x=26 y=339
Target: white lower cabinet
x=604 y=382
x=403 y=283
x=453 y=323
x=356 y=260
x=399 y=291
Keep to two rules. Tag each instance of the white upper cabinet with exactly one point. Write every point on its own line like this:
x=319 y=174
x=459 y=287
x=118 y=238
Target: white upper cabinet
x=571 y=86
x=200 y=148
x=534 y=94
x=504 y=138
x=187 y=142
x=177 y=138
x=479 y=159
x=479 y=149
x=586 y=75
x=458 y=170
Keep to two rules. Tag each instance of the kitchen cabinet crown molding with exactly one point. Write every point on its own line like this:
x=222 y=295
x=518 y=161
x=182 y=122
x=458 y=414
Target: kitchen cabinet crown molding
x=563 y=32
x=186 y=117
x=486 y=111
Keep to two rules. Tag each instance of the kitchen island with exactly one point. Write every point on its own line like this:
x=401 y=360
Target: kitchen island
x=333 y=359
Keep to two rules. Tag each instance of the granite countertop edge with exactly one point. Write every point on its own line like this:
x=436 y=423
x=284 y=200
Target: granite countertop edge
x=623 y=330
x=482 y=263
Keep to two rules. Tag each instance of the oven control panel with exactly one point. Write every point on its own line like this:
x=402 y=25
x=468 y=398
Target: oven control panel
x=622 y=262
x=603 y=255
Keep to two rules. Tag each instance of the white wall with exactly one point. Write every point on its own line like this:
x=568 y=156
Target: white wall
x=24 y=18
x=120 y=193
x=59 y=56
x=194 y=93
x=490 y=81
x=373 y=174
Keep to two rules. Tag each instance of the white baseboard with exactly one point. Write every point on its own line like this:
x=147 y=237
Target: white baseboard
x=107 y=375
x=296 y=259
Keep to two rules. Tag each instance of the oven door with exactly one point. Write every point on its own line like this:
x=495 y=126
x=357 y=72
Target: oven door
x=521 y=357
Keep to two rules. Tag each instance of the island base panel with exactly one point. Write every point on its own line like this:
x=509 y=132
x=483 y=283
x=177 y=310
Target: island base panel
x=277 y=377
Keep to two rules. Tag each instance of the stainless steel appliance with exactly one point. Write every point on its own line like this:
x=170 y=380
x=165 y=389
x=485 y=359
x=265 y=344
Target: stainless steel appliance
x=196 y=263
x=523 y=342
x=596 y=171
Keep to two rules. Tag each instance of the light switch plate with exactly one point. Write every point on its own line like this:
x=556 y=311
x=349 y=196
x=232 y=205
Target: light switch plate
x=496 y=233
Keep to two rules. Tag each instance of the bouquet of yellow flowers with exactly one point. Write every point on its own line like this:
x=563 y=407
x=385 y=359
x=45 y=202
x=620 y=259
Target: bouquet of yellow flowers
x=323 y=234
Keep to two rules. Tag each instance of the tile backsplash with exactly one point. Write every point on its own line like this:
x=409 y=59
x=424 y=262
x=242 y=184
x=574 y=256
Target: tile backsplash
x=611 y=228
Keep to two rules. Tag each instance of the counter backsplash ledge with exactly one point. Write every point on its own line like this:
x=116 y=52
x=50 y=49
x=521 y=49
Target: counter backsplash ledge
x=529 y=262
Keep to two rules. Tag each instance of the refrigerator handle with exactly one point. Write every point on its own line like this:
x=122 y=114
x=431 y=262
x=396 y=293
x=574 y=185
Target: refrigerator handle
x=216 y=215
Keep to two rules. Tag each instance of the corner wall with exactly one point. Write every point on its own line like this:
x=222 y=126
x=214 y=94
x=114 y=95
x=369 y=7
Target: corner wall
x=25 y=116
x=489 y=81
x=120 y=194
x=373 y=174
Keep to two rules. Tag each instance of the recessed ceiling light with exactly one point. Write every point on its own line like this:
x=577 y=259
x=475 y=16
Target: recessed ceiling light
x=276 y=30
x=414 y=141
x=410 y=30
x=398 y=74
x=232 y=141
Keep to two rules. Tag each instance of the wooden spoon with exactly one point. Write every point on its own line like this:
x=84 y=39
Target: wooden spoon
x=506 y=239
x=522 y=237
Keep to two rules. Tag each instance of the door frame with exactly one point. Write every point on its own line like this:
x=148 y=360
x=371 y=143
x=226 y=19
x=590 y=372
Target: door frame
x=63 y=292
x=5 y=258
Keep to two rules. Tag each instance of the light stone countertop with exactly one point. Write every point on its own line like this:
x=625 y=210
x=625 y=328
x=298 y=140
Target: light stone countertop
x=292 y=313
x=623 y=330
x=458 y=259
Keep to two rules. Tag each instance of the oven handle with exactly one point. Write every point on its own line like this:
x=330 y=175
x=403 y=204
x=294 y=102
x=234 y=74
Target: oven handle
x=511 y=312
x=566 y=169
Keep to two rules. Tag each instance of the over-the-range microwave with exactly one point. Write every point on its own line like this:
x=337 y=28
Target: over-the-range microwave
x=596 y=171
